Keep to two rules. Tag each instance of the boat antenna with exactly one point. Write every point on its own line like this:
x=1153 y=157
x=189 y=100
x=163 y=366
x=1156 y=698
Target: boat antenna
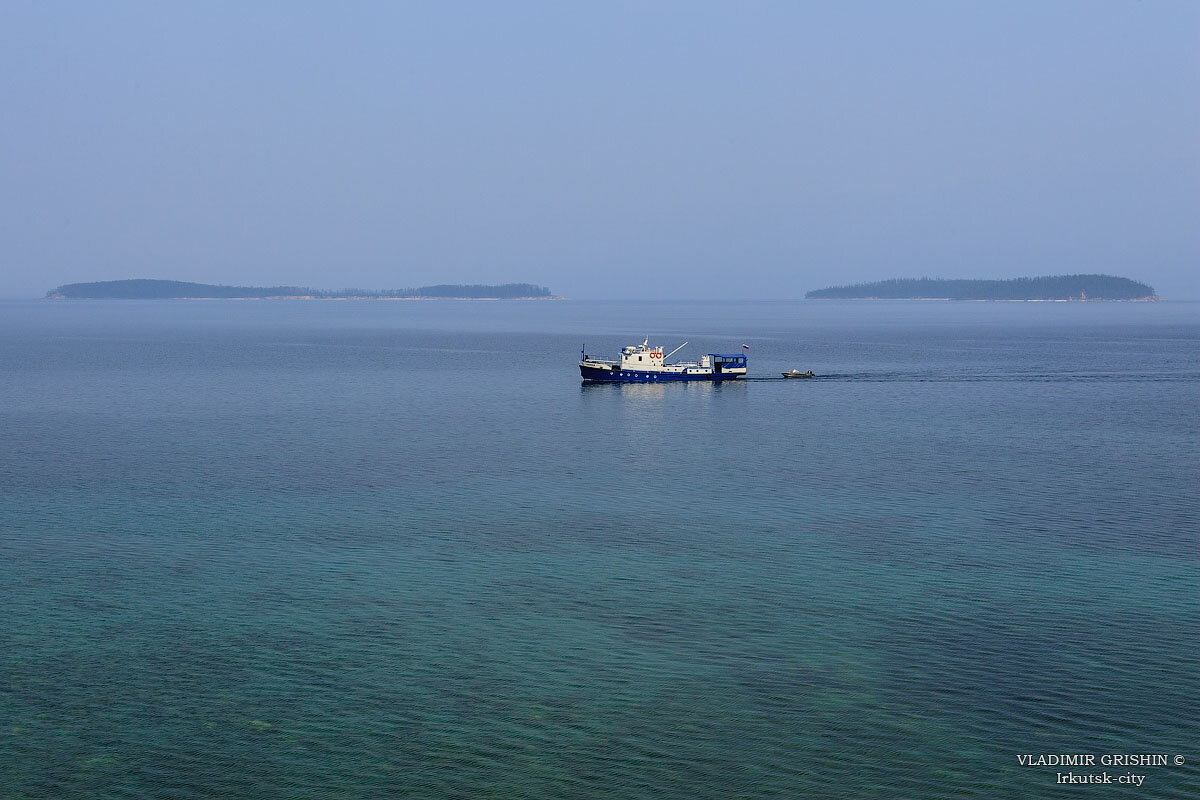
x=673 y=352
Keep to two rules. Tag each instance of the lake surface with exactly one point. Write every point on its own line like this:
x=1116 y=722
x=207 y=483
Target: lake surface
x=375 y=549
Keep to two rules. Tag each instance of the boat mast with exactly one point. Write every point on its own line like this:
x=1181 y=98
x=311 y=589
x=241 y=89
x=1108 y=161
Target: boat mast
x=673 y=352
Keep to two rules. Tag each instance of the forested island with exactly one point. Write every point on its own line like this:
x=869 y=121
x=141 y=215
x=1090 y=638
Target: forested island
x=143 y=289
x=1048 y=288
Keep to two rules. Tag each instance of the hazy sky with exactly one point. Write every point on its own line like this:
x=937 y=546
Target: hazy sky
x=605 y=149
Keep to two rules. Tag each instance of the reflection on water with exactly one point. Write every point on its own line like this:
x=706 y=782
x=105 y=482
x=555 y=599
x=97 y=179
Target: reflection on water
x=657 y=391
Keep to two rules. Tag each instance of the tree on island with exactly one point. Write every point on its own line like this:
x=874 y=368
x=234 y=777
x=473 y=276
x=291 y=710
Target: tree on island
x=146 y=289
x=1054 y=287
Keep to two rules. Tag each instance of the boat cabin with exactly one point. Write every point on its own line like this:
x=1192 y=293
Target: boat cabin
x=641 y=356
x=723 y=362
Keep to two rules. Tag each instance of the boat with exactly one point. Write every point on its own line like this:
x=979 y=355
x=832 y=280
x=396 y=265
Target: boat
x=795 y=373
x=645 y=364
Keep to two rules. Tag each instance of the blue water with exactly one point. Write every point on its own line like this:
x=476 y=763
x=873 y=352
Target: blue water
x=373 y=549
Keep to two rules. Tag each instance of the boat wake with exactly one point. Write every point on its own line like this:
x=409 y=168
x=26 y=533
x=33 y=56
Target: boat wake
x=992 y=377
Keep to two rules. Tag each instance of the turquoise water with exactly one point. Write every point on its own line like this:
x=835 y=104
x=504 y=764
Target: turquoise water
x=370 y=549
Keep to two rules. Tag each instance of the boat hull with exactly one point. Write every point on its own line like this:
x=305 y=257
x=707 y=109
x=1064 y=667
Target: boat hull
x=635 y=376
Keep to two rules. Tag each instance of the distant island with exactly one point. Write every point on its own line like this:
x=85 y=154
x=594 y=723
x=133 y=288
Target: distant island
x=182 y=290
x=1049 y=288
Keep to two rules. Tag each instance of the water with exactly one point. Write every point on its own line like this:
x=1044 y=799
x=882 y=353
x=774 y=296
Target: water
x=368 y=549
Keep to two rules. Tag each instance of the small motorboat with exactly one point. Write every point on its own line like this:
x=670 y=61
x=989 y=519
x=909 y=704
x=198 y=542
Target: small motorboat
x=795 y=373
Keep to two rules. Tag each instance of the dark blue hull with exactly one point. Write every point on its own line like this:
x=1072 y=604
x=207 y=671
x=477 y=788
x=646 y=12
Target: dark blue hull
x=632 y=376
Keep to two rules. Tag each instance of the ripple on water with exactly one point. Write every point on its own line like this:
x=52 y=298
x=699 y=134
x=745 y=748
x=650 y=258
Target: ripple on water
x=270 y=563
